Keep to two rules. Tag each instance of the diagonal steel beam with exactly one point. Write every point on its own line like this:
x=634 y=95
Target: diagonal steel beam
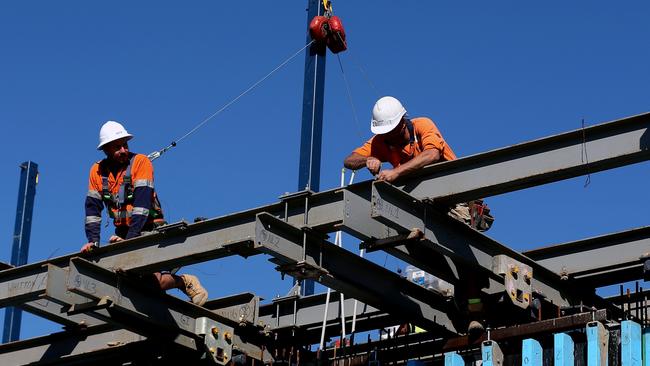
x=302 y=253
x=462 y=244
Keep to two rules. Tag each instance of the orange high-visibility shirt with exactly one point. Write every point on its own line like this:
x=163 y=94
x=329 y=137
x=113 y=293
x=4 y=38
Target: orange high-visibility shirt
x=427 y=136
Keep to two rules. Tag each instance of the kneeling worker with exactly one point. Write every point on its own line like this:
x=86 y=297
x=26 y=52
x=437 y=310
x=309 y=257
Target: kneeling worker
x=124 y=183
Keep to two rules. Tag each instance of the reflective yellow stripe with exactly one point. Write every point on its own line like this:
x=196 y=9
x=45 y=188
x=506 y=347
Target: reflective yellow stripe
x=94 y=194
x=93 y=219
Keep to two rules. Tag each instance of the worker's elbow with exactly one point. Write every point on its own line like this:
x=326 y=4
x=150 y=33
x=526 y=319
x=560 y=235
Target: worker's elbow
x=348 y=162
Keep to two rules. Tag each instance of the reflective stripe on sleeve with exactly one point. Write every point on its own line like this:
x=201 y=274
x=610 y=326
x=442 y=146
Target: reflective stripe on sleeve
x=143 y=183
x=93 y=219
x=94 y=194
x=140 y=211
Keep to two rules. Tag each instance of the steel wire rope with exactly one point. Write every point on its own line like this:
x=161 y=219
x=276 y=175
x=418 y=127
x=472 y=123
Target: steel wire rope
x=156 y=154
x=365 y=75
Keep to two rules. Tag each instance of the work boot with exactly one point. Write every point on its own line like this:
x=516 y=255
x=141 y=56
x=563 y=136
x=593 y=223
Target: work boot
x=192 y=288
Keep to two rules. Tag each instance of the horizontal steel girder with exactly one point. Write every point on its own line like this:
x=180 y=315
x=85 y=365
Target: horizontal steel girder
x=344 y=271
x=93 y=345
x=610 y=145
x=303 y=316
x=550 y=159
x=599 y=261
x=537 y=162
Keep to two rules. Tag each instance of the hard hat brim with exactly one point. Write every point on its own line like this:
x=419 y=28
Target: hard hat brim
x=128 y=137
x=379 y=128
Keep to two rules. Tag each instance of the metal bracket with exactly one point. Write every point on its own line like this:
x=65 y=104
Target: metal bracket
x=517 y=278
x=104 y=302
x=303 y=270
x=176 y=226
x=217 y=338
x=416 y=235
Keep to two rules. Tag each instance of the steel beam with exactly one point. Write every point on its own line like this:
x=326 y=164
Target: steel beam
x=599 y=261
x=140 y=310
x=232 y=234
x=302 y=253
x=626 y=141
x=550 y=159
x=303 y=316
x=456 y=240
x=99 y=344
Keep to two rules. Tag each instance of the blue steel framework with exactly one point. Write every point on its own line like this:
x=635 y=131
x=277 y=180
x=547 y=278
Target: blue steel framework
x=22 y=233
x=311 y=135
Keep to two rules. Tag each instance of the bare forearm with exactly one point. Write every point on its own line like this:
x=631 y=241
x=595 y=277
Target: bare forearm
x=355 y=161
x=425 y=158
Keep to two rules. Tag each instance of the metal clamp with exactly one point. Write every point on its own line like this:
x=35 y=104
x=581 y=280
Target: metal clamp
x=218 y=339
x=517 y=279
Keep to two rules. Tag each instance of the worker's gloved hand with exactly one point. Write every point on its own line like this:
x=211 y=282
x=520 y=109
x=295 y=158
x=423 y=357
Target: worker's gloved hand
x=388 y=175
x=114 y=239
x=373 y=164
x=88 y=247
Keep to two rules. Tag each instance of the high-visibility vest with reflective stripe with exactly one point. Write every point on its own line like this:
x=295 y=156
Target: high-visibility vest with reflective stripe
x=118 y=198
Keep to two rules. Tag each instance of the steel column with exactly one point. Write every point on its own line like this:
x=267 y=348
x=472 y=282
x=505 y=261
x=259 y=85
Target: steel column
x=22 y=233
x=312 y=107
x=311 y=132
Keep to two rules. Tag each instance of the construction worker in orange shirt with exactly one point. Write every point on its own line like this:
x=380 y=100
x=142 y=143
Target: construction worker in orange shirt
x=123 y=182
x=407 y=143
x=410 y=144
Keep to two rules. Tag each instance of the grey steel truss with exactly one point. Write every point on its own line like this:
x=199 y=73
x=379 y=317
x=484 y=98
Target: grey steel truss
x=94 y=297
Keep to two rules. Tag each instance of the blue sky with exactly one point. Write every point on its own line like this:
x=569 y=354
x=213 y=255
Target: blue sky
x=491 y=74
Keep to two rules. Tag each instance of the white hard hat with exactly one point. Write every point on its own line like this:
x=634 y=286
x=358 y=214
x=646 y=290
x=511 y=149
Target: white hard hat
x=386 y=114
x=112 y=131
